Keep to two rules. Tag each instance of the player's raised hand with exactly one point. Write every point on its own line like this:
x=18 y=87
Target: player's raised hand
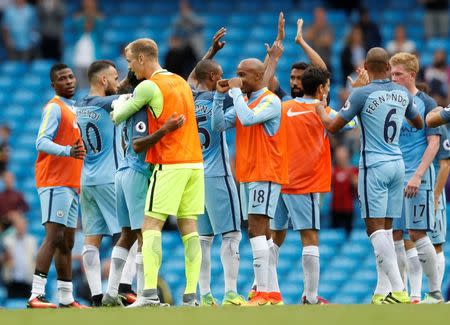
x=281 y=33
x=77 y=151
x=217 y=44
x=235 y=82
x=222 y=86
x=276 y=51
x=174 y=122
x=412 y=188
x=299 y=36
x=362 y=78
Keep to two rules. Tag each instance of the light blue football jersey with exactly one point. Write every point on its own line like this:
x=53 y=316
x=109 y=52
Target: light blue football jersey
x=444 y=148
x=413 y=142
x=100 y=138
x=214 y=145
x=380 y=107
x=135 y=127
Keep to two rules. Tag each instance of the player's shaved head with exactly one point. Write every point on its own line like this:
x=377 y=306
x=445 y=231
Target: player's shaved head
x=145 y=46
x=377 y=60
x=252 y=64
x=251 y=72
x=205 y=68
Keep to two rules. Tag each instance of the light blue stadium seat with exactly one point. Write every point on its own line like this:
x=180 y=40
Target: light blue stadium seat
x=13 y=68
x=221 y=6
x=16 y=303
x=239 y=20
x=41 y=67
x=214 y=20
x=268 y=19
x=6 y=84
x=438 y=44
x=336 y=236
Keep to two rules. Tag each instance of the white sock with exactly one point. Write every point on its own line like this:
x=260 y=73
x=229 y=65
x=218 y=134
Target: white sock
x=260 y=251
x=383 y=284
x=427 y=258
x=204 y=281
x=401 y=258
x=311 y=272
x=139 y=273
x=129 y=270
x=229 y=255
x=274 y=252
x=119 y=256
x=390 y=236
x=440 y=267
x=385 y=253
x=414 y=272
x=38 y=287
x=65 y=289
x=92 y=267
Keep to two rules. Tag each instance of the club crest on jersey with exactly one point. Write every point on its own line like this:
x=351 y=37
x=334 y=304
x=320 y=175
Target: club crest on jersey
x=346 y=105
x=60 y=213
x=141 y=127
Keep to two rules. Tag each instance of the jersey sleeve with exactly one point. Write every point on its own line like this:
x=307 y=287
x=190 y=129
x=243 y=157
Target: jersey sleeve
x=430 y=104
x=445 y=114
x=411 y=110
x=142 y=96
x=221 y=120
x=444 y=149
x=352 y=124
x=267 y=109
x=139 y=123
x=51 y=117
x=354 y=104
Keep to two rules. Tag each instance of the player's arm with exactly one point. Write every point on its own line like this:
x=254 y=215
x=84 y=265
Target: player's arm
x=441 y=180
x=275 y=52
x=51 y=117
x=268 y=108
x=280 y=35
x=412 y=188
x=438 y=116
x=141 y=141
x=215 y=47
x=221 y=121
x=313 y=56
x=144 y=94
x=353 y=124
x=412 y=114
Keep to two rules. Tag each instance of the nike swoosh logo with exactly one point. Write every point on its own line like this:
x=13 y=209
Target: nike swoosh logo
x=254 y=206
x=416 y=221
x=434 y=236
x=290 y=113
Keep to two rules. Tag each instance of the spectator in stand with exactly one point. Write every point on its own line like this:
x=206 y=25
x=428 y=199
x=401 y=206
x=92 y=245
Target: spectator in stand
x=51 y=16
x=5 y=132
x=436 y=18
x=344 y=181
x=400 y=43
x=89 y=25
x=438 y=78
x=12 y=202
x=353 y=54
x=320 y=35
x=189 y=28
x=20 y=30
x=370 y=30
x=20 y=256
x=180 y=57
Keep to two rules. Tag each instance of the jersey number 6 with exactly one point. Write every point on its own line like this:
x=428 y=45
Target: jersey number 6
x=388 y=123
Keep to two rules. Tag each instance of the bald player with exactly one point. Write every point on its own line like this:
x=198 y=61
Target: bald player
x=380 y=107
x=261 y=162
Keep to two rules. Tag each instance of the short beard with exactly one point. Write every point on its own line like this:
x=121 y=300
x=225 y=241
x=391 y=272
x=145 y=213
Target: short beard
x=110 y=92
x=296 y=92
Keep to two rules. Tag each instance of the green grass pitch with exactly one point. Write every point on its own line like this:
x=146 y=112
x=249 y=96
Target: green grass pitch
x=277 y=315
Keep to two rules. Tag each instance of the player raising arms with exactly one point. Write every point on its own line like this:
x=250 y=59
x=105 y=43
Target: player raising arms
x=58 y=172
x=380 y=107
x=222 y=215
x=261 y=162
x=177 y=183
x=419 y=147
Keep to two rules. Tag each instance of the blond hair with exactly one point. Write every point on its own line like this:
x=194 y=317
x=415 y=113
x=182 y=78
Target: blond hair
x=145 y=46
x=408 y=60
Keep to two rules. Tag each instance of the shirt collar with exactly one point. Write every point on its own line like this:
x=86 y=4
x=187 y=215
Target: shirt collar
x=257 y=93
x=67 y=101
x=158 y=71
x=306 y=100
x=381 y=81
